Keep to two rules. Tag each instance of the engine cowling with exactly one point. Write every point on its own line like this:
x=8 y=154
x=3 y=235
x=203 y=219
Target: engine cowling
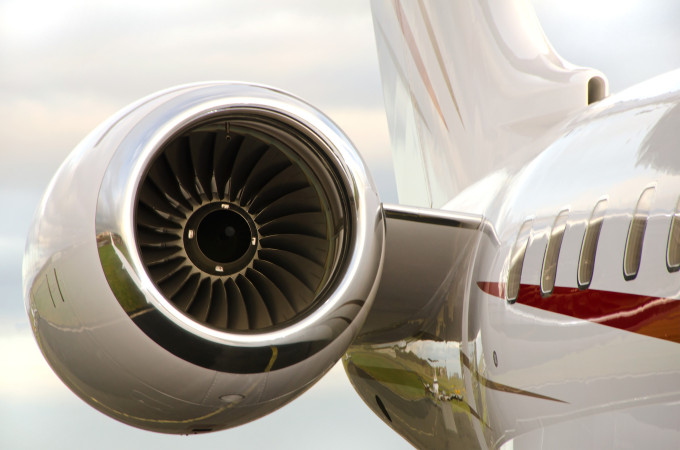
x=203 y=257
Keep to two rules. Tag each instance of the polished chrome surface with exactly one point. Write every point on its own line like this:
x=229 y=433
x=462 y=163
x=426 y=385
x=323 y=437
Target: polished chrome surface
x=111 y=335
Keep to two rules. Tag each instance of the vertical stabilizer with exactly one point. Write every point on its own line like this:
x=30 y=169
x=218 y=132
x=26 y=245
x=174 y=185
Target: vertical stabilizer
x=471 y=87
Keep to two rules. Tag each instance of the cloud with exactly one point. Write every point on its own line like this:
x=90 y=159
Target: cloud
x=129 y=49
x=629 y=41
x=66 y=68
x=25 y=374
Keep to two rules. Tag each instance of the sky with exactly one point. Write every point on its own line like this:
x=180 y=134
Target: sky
x=66 y=66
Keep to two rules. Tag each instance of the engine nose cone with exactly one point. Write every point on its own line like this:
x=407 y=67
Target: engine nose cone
x=220 y=238
x=223 y=236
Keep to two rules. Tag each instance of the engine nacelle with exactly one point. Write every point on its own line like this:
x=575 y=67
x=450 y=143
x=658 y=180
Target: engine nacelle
x=203 y=257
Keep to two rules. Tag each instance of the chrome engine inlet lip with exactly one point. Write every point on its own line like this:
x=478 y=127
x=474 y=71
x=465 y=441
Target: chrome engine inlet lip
x=173 y=111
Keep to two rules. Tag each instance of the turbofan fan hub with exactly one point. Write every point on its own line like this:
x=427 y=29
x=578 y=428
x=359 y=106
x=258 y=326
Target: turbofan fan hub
x=220 y=238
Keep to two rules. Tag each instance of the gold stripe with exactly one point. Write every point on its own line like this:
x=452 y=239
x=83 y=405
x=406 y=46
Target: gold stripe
x=417 y=58
x=402 y=75
x=502 y=387
x=440 y=59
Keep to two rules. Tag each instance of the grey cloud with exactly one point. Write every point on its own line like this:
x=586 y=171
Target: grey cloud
x=639 y=39
x=133 y=51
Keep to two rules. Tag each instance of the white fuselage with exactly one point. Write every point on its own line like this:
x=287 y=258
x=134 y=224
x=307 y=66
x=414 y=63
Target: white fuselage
x=607 y=354
x=551 y=318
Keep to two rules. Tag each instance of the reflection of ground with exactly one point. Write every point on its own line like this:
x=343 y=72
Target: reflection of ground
x=119 y=280
x=423 y=403
x=442 y=395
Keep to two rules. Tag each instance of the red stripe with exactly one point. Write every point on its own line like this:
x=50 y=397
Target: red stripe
x=656 y=317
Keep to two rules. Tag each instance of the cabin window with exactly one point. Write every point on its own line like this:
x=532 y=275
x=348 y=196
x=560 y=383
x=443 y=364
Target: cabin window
x=673 y=249
x=586 y=260
x=517 y=261
x=552 y=253
x=636 y=235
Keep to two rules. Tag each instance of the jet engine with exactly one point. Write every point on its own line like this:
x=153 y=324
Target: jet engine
x=203 y=257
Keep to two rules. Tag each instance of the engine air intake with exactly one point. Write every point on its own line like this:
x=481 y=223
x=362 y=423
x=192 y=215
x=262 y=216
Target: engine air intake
x=240 y=223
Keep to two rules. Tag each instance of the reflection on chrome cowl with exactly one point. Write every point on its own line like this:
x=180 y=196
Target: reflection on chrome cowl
x=203 y=257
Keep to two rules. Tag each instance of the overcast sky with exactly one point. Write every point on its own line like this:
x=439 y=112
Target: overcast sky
x=67 y=65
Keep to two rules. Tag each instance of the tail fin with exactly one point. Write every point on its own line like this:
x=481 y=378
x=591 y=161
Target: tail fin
x=470 y=88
